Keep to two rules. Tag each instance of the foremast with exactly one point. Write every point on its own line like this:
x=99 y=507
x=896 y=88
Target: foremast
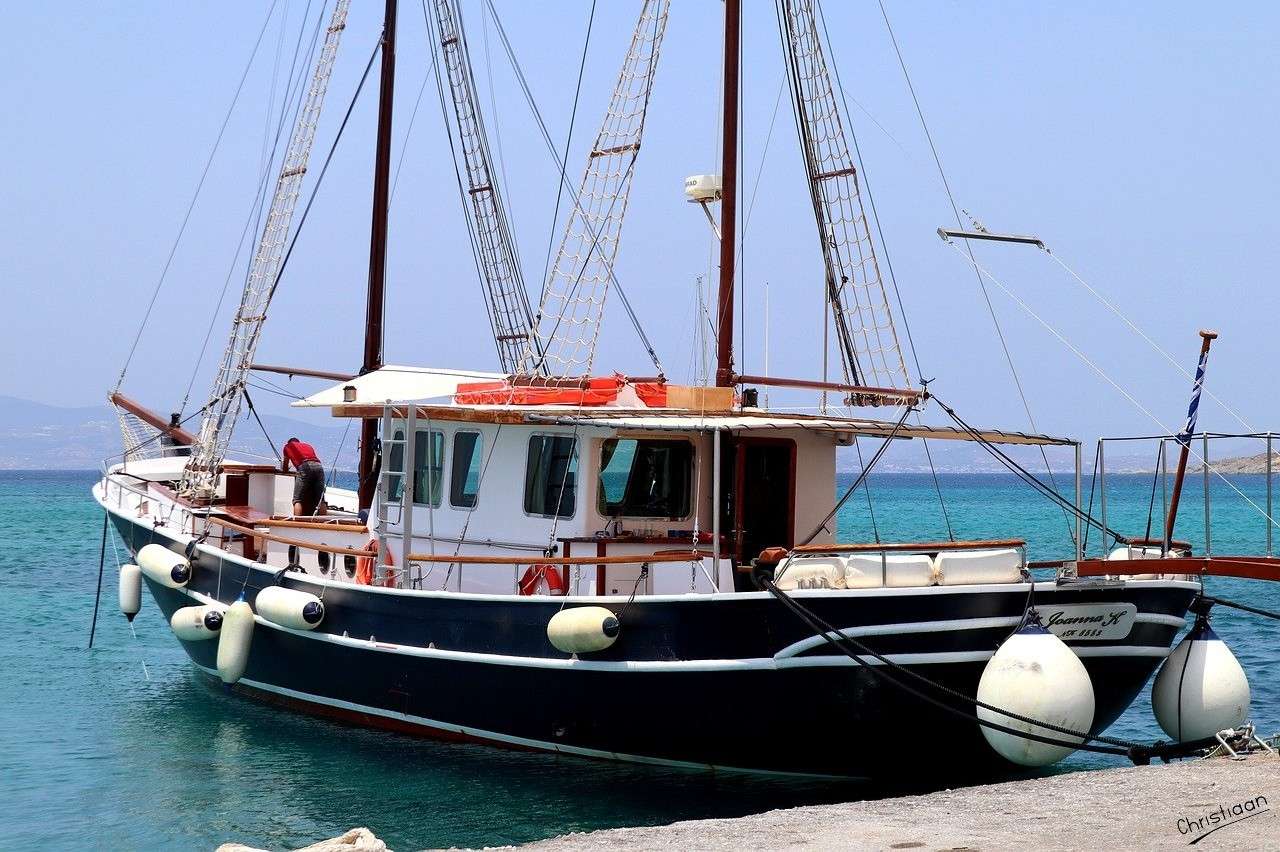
x=200 y=476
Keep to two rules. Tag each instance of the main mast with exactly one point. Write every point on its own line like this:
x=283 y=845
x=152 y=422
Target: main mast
x=378 y=246
x=728 y=195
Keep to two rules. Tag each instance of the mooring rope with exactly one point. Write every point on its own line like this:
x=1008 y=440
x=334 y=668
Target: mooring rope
x=1139 y=753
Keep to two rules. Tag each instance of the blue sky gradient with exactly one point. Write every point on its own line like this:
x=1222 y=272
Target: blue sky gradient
x=1137 y=139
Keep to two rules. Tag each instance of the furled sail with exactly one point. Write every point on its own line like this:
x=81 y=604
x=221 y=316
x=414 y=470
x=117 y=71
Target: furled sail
x=567 y=325
x=200 y=477
x=865 y=334
x=491 y=240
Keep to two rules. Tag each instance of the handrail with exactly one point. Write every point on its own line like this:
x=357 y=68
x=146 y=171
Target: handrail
x=475 y=559
x=470 y=559
x=266 y=536
x=899 y=546
x=1245 y=567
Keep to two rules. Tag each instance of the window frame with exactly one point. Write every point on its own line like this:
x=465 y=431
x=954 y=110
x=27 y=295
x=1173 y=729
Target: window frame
x=692 y=480
x=399 y=477
x=577 y=457
x=429 y=432
x=480 y=441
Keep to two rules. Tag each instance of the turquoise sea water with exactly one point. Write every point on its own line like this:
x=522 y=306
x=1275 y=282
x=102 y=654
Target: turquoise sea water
x=126 y=747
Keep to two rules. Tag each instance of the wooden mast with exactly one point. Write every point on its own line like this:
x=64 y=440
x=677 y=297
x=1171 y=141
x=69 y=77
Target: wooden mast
x=378 y=246
x=1206 y=338
x=728 y=195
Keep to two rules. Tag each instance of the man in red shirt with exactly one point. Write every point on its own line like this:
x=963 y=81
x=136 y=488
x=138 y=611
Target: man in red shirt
x=308 y=485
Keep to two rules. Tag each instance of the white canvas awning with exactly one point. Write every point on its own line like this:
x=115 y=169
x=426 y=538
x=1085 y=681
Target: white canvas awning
x=398 y=384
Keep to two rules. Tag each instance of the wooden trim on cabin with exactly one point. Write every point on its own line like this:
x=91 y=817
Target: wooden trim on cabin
x=901 y=546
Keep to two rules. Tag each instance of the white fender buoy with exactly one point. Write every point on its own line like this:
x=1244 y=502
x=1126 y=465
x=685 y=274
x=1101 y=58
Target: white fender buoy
x=130 y=590
x=1036 y=675
x=290 y=607
x=583 y=629
x=163 y=566
x=234 y=640
x=1201 y=688
x=195 y=623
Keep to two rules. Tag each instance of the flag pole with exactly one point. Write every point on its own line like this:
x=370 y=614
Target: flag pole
x=1184 y=438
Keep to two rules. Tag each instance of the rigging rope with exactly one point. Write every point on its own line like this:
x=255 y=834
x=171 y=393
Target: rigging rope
x=888 y=258
x=1026 y=476
x=251 y=221
x=955 y=209
x=568 y=139
x=1102 y=373
x=573 y=194
x=1156 y=346
x=195 y=196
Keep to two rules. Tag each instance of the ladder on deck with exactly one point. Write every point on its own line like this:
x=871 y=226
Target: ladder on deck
x=388 y=476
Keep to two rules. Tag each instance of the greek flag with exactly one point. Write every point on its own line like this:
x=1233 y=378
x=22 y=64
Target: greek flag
x=1189 y=428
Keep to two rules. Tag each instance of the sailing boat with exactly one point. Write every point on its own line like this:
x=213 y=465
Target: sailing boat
x=556 y=558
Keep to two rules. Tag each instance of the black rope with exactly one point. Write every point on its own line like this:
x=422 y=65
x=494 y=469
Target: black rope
x=302 y=220
x=1137 y=752
x=1028 y=477
x=1245 y=607
x=254 y=412
x=1155 y=478
x=1093 y=483
x=573 y=194
x=871 y=509
x=102 y=561
x=866 y=470
x=564 y=158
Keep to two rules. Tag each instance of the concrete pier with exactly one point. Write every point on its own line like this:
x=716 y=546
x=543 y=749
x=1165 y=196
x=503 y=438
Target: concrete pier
x=1218 y=804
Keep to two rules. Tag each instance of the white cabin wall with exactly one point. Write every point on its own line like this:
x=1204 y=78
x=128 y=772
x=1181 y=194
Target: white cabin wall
x=815 y=483
x=498 y=522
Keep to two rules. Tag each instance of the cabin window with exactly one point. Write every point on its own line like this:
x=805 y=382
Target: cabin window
x=428 y=466
x=643 y=478
x=551 y=474
x=464 y=481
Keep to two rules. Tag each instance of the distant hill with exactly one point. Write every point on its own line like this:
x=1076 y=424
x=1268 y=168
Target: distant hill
x=34 y=435
x=1244 y=464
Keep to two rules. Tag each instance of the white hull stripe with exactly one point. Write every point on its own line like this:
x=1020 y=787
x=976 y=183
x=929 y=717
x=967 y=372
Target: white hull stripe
x=492 y=736
x=667 y=666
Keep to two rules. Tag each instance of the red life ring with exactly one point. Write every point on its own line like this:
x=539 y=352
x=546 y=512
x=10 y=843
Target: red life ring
x=365 y=567
x=544 y=574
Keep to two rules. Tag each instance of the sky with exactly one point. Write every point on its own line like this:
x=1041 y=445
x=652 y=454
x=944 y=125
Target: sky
x=1138 y=140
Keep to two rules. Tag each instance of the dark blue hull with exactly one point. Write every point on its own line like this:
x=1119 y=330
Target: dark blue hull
x=725 y=682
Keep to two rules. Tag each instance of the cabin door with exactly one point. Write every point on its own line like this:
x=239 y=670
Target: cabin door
x=764 y=492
